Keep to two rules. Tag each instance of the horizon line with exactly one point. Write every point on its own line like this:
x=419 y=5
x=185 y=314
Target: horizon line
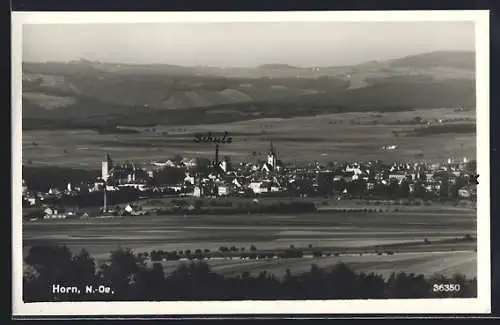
x=287 y=65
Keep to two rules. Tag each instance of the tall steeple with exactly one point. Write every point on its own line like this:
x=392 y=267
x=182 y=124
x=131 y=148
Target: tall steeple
x=271 y=148
x=271 y=156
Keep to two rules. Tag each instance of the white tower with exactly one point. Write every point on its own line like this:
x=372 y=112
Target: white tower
x=106 y=166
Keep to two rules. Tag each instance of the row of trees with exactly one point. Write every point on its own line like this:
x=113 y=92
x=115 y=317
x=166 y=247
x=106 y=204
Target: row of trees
x=129 y=279
x=251 y=253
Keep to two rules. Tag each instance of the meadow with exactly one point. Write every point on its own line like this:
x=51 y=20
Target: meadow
x=341 y=136
x=355 y=237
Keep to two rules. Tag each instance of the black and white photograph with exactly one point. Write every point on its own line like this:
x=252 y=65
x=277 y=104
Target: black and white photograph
x=225 y=163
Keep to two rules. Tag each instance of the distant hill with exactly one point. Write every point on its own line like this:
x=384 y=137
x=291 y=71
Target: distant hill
x=85 y=93
x=276 y=66
x=449 y=59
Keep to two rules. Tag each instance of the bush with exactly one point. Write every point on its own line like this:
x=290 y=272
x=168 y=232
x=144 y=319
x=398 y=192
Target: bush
x=317 y=253
x=172 y=256
x=253 y=248
x=156 y=256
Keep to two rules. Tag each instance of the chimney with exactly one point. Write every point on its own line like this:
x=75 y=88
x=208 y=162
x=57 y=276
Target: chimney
x=216 y=154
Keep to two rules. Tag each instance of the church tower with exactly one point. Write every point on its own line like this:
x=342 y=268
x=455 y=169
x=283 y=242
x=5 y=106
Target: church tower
x=271 y=156
x=106 y=166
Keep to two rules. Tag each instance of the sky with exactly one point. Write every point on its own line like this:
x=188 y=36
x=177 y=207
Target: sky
x=245 y=44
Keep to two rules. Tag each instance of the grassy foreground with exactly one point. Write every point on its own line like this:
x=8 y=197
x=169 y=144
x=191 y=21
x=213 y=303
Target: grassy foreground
x=127 y=278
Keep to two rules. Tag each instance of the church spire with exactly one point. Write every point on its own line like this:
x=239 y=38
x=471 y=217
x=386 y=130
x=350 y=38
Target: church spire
x=271 y=147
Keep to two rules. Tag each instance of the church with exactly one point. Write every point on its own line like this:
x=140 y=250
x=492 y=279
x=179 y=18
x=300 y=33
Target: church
x=272 y=164
x=119 y=174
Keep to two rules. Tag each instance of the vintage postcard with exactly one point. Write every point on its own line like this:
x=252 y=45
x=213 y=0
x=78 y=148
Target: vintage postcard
x=251 y=163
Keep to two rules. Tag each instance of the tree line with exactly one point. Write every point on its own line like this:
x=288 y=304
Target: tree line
x=131 y=279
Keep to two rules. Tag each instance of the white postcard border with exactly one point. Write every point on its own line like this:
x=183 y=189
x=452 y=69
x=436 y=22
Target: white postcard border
x=481 y=304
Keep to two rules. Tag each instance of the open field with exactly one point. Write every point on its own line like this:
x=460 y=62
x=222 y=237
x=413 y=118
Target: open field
x=347 y=233
x=427 y=263
x=323 y=138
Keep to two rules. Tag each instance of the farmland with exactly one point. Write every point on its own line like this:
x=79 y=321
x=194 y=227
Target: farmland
x=342 y=136
x=427 y=263
x=355 y=237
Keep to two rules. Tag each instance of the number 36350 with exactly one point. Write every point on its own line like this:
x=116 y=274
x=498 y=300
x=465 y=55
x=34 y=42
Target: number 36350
x=446 y=287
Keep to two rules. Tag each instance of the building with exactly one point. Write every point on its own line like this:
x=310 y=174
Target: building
x=272 y=158
x=189 y=163
x=223 y=190
x=255 y=187
x=464 y=193
x=167 y=163
x=272 y=164
x=355 y=168
x=225 y=164
x=197 y=191
x=399 y=177
x=25 y=188
x=49 y=213
x=106 y=167
x=124 y=173
x=189 y=179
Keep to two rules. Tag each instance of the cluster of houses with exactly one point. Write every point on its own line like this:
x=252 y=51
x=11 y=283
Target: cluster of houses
x=273 y=177
x=270 y=177
x=50 y=212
